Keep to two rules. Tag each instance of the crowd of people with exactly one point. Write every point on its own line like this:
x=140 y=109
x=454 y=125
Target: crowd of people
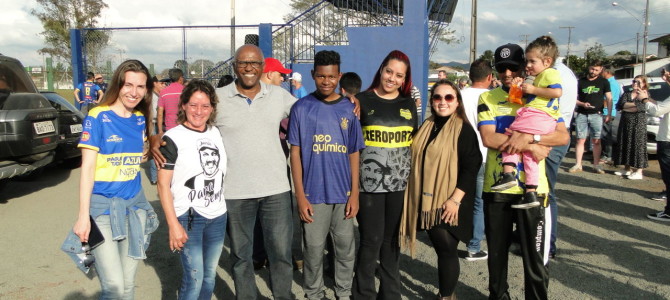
x=479 y=164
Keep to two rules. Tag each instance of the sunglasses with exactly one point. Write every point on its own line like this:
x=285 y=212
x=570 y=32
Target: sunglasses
x=89 y=259
x=503 y=67
x=637 y=81
x=447 y=97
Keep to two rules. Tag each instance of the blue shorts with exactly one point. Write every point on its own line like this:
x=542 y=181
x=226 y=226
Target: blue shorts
x=589 y=124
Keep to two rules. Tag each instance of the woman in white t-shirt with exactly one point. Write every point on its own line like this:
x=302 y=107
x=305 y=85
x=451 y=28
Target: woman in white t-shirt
x=190 y=186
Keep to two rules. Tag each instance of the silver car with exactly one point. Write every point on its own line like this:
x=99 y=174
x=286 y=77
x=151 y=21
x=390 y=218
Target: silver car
x=659 y=91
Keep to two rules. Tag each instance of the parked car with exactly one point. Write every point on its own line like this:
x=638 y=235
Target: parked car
x=28 y=123
x=70 y=121
x=659 y=91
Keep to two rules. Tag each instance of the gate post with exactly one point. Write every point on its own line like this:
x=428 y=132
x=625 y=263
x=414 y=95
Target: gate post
x=78 y=62
x=265 y=39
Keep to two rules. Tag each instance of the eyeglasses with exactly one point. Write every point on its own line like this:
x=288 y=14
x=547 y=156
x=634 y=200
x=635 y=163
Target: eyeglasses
x=244 y=64
x=501 y=68
x=637 y=81
x=447 y=97
x=89 y=259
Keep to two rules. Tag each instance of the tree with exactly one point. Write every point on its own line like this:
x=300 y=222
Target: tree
x=623 y=52
x=596 y=52
x=59 y=16
x=488 y=55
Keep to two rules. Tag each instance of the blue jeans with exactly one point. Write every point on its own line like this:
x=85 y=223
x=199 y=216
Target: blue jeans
x=591 y=124
x=200 y=255
x=552 y=163
x=663 y=154
x=275 y=215
x=478 y=215
x=115 y=269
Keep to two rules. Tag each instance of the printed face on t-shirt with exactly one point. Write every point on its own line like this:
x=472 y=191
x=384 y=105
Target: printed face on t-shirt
x=209 y=160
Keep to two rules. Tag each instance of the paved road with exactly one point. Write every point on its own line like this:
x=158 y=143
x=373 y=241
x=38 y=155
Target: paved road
x=608 y=250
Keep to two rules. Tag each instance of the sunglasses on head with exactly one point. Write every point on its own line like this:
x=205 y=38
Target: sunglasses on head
x=89 y=259
x=503 y=67
x=447 y=97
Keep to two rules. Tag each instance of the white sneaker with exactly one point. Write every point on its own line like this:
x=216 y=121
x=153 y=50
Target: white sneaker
x=635 y=176
x=622 y=173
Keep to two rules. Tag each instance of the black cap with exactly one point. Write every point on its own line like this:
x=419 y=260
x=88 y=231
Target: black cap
x=510 y=54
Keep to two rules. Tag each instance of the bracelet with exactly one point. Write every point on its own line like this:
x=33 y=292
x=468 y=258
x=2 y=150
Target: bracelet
x=457 y=202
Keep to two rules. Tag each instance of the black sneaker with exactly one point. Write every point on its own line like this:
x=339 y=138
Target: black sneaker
x=659 y=216
x=476 y=256
x=660 y=196
x=506 y=181
x=529 y=200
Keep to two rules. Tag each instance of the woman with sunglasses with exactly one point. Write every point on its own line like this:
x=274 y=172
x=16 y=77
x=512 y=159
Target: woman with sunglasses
x=388 y=120
x=441 y=189
x=110 y=189
x=631 y=150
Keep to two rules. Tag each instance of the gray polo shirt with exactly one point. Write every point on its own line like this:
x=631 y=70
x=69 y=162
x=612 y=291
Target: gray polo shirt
x=256 y=161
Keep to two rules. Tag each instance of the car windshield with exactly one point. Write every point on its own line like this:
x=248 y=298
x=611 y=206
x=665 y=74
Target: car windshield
x=14 y=78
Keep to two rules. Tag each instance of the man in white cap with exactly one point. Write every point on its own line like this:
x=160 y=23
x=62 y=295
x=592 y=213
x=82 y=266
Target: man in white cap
x=299 y=91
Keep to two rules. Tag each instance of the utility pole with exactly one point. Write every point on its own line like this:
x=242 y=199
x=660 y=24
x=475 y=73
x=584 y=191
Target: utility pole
x=646 y=36
x=567 y=55
x=524 y=39
x=473 y=32
x=232 y=28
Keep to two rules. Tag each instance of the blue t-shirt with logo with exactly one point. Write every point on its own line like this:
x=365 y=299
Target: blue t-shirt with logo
x=88 y=92
x=327 y=133
x=119 y=143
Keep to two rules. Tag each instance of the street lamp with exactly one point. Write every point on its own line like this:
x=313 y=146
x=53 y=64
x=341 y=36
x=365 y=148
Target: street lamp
x=645 y=35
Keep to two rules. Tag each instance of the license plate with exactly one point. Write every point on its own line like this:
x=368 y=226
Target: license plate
x=75 y=128
x=44 y=127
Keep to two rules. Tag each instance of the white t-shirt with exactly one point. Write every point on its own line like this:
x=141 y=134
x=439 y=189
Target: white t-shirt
x=470 y=100
x=198 y=160
x=568 y=100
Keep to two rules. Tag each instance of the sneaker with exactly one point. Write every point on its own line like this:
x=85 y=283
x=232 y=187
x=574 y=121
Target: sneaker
x=635 y=176
x=505 y=182
x=604 y=160
x=599 y=169
x=622 y=173
x=575 y=169
x=476 y=256
x=659 y=216
x=529 y=200
x=662 y=196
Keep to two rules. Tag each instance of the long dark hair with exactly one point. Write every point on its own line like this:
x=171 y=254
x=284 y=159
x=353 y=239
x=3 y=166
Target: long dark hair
x=460 y=110
x=119 y=79
x=197 y=85
x=406 y=88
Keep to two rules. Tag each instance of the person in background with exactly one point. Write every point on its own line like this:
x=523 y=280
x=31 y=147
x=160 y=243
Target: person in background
x=100 y=81
x=661 y=108
x=168 y=102
x=463 y=83
x=190 y=188
x=481 y=75
x=441 y=75
x=631 y=150
x=299 y=91
x=350 y=84
x=553 y=161
x=416 y=95
x=87 y=94
x=111 y=192
x=386 y=110
x=441 y=188
x=608 y=137
x=326 y=138
x=159 y=85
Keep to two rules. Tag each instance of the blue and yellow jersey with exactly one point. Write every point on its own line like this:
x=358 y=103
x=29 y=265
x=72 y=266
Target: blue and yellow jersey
x=549 y=78
x=494 y=109
x=119 y=143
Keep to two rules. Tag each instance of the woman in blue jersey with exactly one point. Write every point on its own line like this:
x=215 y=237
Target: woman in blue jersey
x=388 y=120
x=110 y=186
x=190 y=186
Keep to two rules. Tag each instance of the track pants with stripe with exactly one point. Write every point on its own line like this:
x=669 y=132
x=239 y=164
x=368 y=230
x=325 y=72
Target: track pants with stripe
x=534 y=226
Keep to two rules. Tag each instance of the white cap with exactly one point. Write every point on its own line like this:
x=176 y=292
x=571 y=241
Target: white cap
x=296 y=76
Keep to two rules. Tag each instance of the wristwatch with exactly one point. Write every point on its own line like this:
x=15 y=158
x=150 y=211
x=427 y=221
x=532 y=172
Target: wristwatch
x=536 y=138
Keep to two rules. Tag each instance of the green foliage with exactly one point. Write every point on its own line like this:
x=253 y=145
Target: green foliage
x=433 y=65
x=623 y=52
x=596 y=52
x=59 y=16
x=488 y=55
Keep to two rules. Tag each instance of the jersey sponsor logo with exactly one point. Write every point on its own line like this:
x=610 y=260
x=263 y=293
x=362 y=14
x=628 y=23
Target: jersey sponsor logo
x=371 y=112
x=539 y=236
x=131 y=160
x=114 y=138
x=140 y=122
x=406 y=113
x=88 y=124
x=591 y=90
x=344 y=124
x=322 y=143
x=85 y=136
x=388 y=137
x=106 y=119
x=504 y=110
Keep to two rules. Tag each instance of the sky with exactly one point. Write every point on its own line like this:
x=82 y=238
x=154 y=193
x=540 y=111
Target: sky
x=499 y=22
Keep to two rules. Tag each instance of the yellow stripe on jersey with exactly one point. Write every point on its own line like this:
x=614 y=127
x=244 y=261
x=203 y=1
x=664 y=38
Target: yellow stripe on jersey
x=117 y=167
x=388 y=137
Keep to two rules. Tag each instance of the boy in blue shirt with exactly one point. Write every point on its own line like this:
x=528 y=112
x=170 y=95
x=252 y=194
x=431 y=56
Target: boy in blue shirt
x=325 y=138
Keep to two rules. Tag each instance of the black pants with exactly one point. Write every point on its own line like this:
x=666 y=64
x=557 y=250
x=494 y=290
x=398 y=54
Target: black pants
x=663 y=154
x=448 y=267
x=378 y=224
x=534 y=227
